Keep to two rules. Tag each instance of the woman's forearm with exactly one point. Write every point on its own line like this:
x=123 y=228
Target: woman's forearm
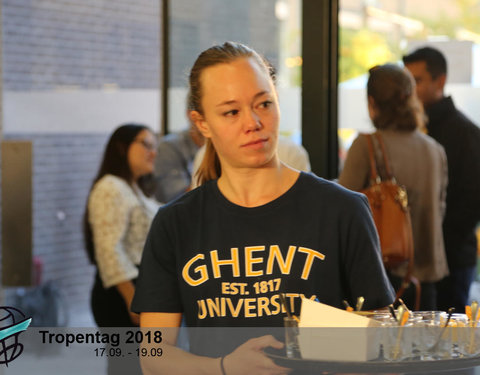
x=127 y=290
x=175 y=361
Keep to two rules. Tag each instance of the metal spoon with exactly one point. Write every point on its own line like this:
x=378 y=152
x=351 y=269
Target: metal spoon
x=474 y=307
x=360 y=301
x=392 y=311
x=433 y=348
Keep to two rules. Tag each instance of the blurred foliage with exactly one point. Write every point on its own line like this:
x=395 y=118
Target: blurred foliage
x=362 y=49
x=443 y=24
x=470 y=14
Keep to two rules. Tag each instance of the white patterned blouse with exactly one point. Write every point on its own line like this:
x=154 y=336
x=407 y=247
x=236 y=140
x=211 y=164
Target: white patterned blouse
x=120 y=216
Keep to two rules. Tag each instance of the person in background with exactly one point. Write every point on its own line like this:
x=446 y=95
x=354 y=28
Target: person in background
x=253 y=221
x=173 y=163
x=460 y=138
x=417 y=162
x=116 y=222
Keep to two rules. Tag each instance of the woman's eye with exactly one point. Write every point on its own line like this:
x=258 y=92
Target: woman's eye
x=265 y=104
x=233 y=112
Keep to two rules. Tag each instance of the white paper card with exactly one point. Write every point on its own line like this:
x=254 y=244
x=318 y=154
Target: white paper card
x=345 y=337
x=316 y=314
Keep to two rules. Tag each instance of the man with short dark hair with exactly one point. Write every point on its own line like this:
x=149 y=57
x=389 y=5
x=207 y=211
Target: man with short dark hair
x=461 y=139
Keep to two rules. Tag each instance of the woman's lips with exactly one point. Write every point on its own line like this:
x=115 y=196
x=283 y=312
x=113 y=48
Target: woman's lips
x=256 y=142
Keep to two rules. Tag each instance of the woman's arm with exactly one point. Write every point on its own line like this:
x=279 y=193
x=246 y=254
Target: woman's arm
x=248 y=358
x=173 y=359
x=127 y=290
x=109 y=215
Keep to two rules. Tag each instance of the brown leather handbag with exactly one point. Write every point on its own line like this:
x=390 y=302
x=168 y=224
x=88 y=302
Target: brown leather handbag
x=389 y=204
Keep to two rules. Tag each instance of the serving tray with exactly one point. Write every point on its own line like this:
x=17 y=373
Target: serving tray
x=374 y=366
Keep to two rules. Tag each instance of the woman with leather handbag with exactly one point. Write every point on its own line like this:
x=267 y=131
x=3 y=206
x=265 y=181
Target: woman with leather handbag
x=403 y=155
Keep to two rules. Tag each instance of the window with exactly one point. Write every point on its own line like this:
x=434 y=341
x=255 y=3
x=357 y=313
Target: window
x=379 y=31
x=271 y=27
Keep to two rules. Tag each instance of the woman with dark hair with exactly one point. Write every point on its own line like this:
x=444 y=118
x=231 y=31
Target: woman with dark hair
x=417 y=161
x=117 y=220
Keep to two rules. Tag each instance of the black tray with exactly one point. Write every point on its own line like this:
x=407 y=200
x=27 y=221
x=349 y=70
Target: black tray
x=375 y=366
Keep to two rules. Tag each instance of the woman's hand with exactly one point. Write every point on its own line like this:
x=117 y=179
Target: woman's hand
x=135 y=318
x=249 y=358
x=127 y=290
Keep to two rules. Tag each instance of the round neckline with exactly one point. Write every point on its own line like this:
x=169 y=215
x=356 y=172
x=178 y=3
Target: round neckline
x=277 y=202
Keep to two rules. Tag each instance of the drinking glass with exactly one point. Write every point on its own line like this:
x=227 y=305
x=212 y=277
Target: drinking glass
x=291 y=337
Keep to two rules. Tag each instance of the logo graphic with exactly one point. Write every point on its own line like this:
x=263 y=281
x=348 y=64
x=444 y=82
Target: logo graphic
x=12 y=323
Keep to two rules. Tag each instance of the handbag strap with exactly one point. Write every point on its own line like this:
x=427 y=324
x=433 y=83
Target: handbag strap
x=409 y=278
x=384 y=155
x=371 y=155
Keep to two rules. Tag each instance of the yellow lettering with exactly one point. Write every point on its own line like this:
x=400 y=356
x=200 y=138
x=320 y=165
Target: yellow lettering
x=263 y=305
x=225 y=288
x=250 y=260
x=202 y=270
x=242 y=288
x=248 y=307
x=283 y=264
x=235 y=311
x=292 y=297
x=311 y=255
x=213 y=307
x=276 y=304
x=233 y=289
x=233 y=261
x=202 y=311
x=222 y=307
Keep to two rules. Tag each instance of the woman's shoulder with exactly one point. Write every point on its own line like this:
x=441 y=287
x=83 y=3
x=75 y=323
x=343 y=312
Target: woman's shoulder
x=110 y=184
x=189 y=200
x=424 y=137
x=112 y=181
x=359 y=145
x=328 y=191
x=428 y=144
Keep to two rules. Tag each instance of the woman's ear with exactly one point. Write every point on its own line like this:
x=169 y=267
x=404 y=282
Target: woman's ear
x=200 y=122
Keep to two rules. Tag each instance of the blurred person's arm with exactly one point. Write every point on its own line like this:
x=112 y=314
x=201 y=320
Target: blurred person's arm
x=109 y=217
x=248 y=358
x=127 y=290
x=171 y=172
x=293 y=154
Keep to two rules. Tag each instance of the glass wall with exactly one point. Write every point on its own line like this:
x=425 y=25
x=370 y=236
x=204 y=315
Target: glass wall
x=379 y=31
x=72 y=71
x=272 y=27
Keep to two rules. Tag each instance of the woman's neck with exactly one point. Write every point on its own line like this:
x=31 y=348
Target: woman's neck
x=253 y=187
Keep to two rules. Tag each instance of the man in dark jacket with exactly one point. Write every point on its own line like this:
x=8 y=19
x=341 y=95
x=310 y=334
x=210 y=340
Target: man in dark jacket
x=461 y=139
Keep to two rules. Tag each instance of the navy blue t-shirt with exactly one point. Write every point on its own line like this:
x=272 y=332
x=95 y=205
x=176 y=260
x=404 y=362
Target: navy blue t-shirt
x=223 y=265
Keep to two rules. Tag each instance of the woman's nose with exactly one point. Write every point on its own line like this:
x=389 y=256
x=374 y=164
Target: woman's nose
x=252 y=121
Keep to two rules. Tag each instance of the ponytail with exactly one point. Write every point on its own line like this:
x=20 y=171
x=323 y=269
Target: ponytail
x=210 y=167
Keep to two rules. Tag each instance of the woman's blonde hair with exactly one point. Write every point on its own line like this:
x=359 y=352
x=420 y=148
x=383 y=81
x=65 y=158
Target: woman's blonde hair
x=210 y=168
